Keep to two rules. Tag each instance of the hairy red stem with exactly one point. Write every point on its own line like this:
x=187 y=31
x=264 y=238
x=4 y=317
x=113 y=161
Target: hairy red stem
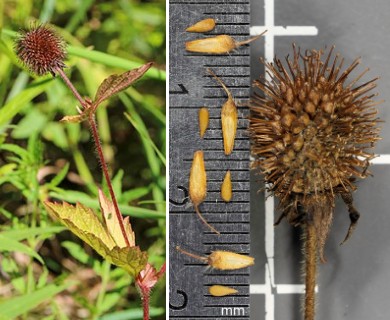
x=71 y=86
x=145 y=294
x=94 y=130
x=95 y=134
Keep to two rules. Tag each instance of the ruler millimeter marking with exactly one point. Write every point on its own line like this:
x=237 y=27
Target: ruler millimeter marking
x=192 y=87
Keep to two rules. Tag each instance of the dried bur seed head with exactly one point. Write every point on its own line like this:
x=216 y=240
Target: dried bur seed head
x=220 y=44
x=312 y=135
x=223 y=260
x=226 y=187
x=229 y=118
x=198 y=185
x=204 y=25
x=203 y=121
x=221 y=291
x=41 y=50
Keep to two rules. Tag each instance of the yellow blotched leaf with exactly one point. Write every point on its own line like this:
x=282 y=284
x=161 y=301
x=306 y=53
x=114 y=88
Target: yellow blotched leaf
x=112 y=223
x=83 y=222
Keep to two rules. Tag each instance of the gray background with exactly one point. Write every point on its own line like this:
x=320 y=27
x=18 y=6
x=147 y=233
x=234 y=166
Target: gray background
x=354 y=283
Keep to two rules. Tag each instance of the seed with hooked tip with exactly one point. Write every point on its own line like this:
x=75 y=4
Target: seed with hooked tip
x=198 y=185
x=220 y=44
x=223 y=260
x=229 y=118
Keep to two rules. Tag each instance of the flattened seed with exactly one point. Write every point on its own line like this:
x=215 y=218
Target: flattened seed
x=204 y=25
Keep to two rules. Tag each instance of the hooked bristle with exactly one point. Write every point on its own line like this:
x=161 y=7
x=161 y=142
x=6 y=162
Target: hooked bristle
x=312 y=133
x=41 y=50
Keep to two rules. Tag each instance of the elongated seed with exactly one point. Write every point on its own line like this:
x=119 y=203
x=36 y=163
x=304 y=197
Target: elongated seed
x=221 y=291
x=198 y=185
x=204 y=25
x=226 y=187
x=220 y=44
x=229 y=118
x=203 y=120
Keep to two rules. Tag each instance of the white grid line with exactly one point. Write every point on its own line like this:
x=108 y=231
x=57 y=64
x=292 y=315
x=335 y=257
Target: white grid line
x=269 y=288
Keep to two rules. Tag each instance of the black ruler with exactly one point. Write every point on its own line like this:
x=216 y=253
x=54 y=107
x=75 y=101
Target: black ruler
x=192 y=87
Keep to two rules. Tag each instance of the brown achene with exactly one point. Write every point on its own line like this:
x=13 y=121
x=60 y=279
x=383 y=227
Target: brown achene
x=312 y=133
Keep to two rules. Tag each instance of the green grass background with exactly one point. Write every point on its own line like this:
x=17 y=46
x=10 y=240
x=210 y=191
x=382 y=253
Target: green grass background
x=45 y=271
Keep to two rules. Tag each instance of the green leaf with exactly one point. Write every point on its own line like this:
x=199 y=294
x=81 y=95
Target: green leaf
x=117 y=83
x=146 y=139
x=135 y=193
x=76 y=251
x=12 y=107
x=55 y=132
x=22 y=153
x=83 y=222
x=59 y=177
x=14 y=307
x=42 y=281
x=113 y=61
x=110 y=300
x=112 y=223
x=21 y=234
x=7 y=168
x=76 y=196
x=8 y=244
x=19 y=284
x=117 y=183
x=6 y=213
x=33 y=122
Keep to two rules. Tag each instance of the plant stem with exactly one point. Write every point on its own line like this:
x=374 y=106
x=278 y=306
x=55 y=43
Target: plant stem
x=145 y=294
x=94 y=130
x=311 y=270
x=95 y=134
x=71 y=86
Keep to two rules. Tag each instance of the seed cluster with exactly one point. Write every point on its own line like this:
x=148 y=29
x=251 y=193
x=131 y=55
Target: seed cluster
x=220 y=260
x=41 y=50
x=312 y=134
x=220 y=44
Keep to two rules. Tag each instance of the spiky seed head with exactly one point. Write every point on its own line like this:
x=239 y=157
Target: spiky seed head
x=312 y=132
x=41 y=50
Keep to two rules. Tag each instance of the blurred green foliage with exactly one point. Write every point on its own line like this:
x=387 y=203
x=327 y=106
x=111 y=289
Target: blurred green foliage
x=43 y=267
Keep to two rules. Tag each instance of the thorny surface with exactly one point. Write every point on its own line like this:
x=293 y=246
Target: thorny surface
x=312 y=136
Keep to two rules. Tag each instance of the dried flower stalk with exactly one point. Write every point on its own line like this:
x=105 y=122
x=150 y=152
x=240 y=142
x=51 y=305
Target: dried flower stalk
x=204 y=25
x=311 y=135
x=198 y=185
x=229 y=118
